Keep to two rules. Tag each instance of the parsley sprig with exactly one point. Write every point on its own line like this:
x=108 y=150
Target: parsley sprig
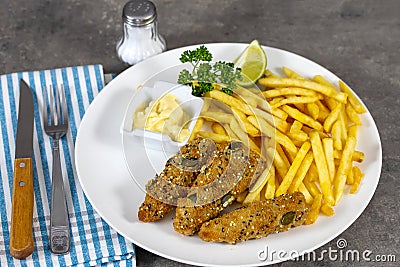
x=205 y=76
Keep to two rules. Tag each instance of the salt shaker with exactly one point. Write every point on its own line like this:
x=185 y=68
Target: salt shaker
x=140 y=38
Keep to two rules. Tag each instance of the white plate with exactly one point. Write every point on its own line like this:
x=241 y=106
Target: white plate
x=116 y=197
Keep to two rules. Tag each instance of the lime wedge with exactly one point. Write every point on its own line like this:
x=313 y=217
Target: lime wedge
x=253 y=62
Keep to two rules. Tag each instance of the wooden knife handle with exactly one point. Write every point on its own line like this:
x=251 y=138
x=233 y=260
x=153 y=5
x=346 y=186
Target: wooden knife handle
x=21 y=239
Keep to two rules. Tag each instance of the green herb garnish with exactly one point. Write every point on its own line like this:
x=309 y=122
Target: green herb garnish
x=206 y=77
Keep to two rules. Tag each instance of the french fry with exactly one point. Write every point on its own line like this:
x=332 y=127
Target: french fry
x=218 y=128
x=353 y=130
x=241 y=197
x=269 y=73
x=350 y=177
x=275 y=100
x=255 y=192
x=314 y=210
x=309 y=198
x=199 y=123
x=323 y=111
x=230 y=133
x=285 y=91
x=269 y=131
x=332 y=118
x=280 y=166
x=308 y=130
x=241 y=95
x=296 y=127
x=359 y=108
x=270 y=187
x=296 y=142
x=343 y=123
x=295 y=100
x=320 y=79
x=196 y=128
x=220 y=117
x=252 y=197
x=222 y=106
x=288 y=178
x=244 y=137
x=322 y=167
x=313 y=173
x=358 y=156
x=261 y=181
x=331 y=103
x=292 y=74
x=358 y=175
x=327 y=210
x=291 y=154
x=282 y=125
x=320 y=88
x=344 y=165
x=218 y=138
x=248 y=100
x=299 y=136
x=313 y=110
x=257 y=97
x=264 y=105
x=301 y=172
x=230 y=101
x=352 y=114
x=246 y=126
x=337 y=135
x=282 y=154
x=303 y=118
x=278 y=113
x=328 y=149
x=311 y=187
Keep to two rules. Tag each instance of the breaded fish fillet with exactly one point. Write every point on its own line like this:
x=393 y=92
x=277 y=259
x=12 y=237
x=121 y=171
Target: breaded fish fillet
x=256 y=220
x=174 y=181
x=230 y=174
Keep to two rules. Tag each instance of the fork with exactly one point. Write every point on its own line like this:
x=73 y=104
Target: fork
x=55 y=126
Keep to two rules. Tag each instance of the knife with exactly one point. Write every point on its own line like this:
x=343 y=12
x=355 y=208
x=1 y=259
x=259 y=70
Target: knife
x=21 y=239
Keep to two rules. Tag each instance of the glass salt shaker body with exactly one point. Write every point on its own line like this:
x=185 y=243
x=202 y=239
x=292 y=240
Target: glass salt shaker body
x=140 y=38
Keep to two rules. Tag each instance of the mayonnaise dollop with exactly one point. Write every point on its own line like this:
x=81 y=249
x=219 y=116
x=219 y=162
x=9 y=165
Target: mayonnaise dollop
x=164 y=115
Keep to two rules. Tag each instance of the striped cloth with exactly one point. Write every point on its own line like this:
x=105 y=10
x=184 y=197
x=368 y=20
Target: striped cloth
x=93 y=242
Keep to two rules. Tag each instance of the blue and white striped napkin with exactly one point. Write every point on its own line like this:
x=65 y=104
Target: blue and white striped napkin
x=93 y=242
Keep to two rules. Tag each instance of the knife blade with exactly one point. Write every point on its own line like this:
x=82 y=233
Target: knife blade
x=21 y=238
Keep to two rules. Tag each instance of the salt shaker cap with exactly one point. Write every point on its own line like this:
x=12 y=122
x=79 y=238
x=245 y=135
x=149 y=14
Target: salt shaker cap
x=139 y=12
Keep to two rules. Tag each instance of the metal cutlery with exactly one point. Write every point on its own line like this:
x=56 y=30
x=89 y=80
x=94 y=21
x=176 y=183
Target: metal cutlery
x=56 y=126
x=21 y=238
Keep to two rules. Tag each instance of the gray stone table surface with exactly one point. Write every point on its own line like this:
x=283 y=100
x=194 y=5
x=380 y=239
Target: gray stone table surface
x=359 y=40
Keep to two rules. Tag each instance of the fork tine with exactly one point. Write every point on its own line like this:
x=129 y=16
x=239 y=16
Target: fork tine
x=58 y=107
x=64 y=105
x=51 y=103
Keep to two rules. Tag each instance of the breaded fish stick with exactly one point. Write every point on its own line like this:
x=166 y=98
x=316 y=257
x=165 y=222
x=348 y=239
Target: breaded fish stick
x=177 y=177
x=233 y=170
x=256 y=220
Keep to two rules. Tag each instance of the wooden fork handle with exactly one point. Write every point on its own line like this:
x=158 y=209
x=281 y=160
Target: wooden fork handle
x=21 y=239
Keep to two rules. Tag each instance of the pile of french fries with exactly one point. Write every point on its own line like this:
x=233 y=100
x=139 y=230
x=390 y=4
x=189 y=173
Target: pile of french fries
x=305 y=129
